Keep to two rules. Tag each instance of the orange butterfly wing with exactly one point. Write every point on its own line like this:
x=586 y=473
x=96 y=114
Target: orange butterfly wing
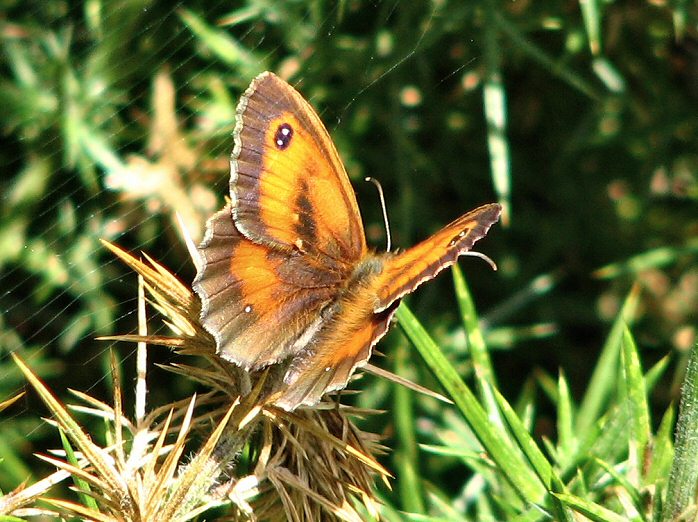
x=279 y=254
x=288 y=185
x=344 y=344
x=257 y=302
x=404 y=272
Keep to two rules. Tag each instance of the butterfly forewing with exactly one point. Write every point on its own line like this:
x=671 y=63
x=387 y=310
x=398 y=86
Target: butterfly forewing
x=289 y=187
x=404 y=272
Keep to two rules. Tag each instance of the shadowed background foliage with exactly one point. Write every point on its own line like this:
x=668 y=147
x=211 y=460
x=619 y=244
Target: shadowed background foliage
x=582 y=119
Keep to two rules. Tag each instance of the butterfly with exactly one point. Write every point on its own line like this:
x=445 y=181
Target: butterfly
x=286 y=276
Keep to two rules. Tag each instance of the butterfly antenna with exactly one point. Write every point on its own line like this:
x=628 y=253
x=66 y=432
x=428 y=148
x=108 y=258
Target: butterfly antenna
x=483 y=257
x=384 y=208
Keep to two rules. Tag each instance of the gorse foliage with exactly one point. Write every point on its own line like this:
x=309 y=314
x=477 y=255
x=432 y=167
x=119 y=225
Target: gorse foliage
x=580 y=118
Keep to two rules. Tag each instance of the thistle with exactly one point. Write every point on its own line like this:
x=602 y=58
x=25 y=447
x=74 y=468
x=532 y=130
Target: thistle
x=227 y=449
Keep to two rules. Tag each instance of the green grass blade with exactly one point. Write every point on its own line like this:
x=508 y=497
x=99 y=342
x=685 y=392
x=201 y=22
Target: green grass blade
x=83 y=487
x=525 y=405
x=621 y=478
x=636 y=401
x=506 y=337
x=540 y=464
x=532 y=515
x=663 y=450
x=511 y=464
x=443 y=504
x=389 y=512
x=604 y=378
x=681 y=19
x=553 y=66
x=407 y=455
x=449 y=451
x=591 y=510
x=225 y=48
x=495 y=107
x=655 y=258
x=592 y=23
x=609 y=75
x=547 y=384
x=484 y=374
x=535 y=457
x=538 y=287
x=566 y=440
x=655 y=373
x=607 y=438
x=528 y=446
x=684 y=469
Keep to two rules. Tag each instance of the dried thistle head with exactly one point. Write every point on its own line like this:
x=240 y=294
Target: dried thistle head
x=139 y=474
x=309 y=464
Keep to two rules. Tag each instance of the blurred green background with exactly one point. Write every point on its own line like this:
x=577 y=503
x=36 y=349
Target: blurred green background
x=581 y=118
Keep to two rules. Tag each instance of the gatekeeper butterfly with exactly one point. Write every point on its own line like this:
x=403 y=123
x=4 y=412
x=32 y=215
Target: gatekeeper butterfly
x=286 y=276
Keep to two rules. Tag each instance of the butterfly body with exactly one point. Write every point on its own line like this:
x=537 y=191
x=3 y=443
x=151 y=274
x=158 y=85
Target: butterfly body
x=286 y=274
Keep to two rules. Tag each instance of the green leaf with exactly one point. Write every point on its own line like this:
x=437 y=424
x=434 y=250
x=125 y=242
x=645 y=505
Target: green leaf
x=406 y=458
x=663 y=450
x=621 y=478
x=652 y=259
x=494 y=440
x=450 y=451
x=444 y=505
x=604 y=378
x=535 y=456
x=609 y=74
x=655 y=373
x=636 y=397
x=494 y=97
x=538 y=55
x=484 y=374
x=607 y=439
x=566 y=441
x=592 y=23
x=525 y=442
x=684 y=470
x=590 y=510
x=83 y=487
x=222 y=45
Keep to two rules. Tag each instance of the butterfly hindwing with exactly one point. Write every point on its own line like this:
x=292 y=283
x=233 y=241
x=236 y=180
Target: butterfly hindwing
x=341 y=347
x=257 y=301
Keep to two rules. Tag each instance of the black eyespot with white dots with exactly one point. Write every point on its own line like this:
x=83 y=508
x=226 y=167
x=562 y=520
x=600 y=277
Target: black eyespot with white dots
x=282 y=138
